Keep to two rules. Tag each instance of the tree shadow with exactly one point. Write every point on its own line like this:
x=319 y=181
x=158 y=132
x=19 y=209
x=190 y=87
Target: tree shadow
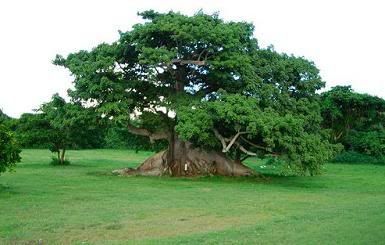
x=50 y=166
x=6 y=189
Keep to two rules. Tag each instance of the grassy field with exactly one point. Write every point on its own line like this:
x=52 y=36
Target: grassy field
x=84 y=204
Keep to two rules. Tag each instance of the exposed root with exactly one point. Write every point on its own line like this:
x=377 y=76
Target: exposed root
x=194 y=162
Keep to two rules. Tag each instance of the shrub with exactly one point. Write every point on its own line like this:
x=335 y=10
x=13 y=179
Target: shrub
x=9 y=150
x=371 y=143
x=355 y=157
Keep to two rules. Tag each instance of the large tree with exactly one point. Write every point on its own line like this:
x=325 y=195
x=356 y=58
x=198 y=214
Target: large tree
x=205 y=86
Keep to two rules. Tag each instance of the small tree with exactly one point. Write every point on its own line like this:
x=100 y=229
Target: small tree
x=9 y=150
x=70 y=123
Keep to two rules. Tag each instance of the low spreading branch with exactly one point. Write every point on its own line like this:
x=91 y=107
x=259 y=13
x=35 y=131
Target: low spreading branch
x=259 y=147
x=145 y=132
x=255 y=145
x=250 y=153
x=226 y=147
x=188 y=62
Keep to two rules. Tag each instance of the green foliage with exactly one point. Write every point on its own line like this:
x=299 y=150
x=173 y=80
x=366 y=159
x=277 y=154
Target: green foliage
x=33 y=131
x=272 y=132
x=371 y=143
x=9 y=150
x=3 y=117
x=344 y=110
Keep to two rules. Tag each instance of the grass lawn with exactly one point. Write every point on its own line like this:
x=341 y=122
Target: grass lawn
x=84 y=204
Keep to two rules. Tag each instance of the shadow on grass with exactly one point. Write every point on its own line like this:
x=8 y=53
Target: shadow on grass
x=100 y=173
x=266 y=178
x=6 y=189
x=301 y=182
x=51 y=166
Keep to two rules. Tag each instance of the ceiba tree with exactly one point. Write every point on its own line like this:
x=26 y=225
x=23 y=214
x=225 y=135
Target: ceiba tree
x=205 y=86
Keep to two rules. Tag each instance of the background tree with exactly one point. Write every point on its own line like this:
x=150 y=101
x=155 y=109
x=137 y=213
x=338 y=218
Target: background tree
x=3 y=117
x=206 y=87
x=32 y=130
x=356 y=120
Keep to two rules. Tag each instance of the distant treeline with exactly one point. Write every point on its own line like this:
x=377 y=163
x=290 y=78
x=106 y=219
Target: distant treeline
x=354 y=120
x=33 y=130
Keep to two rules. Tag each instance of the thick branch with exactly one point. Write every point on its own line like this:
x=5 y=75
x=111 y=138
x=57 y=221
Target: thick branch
x=233 y=141
x=226 y=147
x=221 y=139
x=259 y=147
x=145 y=132
x=245 y=151
x=255 y=145
x=186 y=62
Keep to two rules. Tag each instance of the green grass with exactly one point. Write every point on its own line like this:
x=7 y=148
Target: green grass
x=84 y=204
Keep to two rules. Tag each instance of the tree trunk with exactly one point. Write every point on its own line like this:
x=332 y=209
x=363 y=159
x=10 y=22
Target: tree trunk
x=58 y=155
x=182 y=159
x=62 y=157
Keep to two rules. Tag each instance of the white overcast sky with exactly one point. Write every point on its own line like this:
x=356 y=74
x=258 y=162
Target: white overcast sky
x=346 y=39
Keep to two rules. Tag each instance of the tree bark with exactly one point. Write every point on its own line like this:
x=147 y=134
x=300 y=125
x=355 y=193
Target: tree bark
x=182 y=159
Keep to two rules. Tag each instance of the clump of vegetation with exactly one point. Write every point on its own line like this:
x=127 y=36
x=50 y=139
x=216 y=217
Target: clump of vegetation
x=57 y=161
x=9 y=150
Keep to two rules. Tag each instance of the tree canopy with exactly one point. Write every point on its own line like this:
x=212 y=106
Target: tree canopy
x=206 y=86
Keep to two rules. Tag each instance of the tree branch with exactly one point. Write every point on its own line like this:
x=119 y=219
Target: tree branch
x=226 y=147
x=186 y=62
x=221 y=138
x=232 y=141
x=245 y=151
x=255 y=145
x=145 y=132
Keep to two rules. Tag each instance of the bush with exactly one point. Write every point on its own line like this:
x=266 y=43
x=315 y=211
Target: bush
x=56 y=162
x=355 y=157
x=371 y=143
x=9 y=150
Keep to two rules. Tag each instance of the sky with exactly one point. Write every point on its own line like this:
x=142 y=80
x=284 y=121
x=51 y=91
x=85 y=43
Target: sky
x=345 y=39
